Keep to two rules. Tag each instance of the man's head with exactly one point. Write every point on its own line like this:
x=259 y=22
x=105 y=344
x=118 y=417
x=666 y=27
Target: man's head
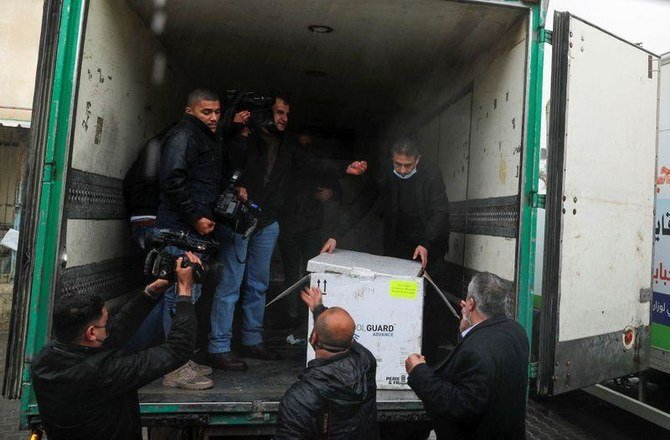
x=280 y=111
x=205 y=106
x=488 y=296
x=80 y=319
x=333 y=332
x=405 y=156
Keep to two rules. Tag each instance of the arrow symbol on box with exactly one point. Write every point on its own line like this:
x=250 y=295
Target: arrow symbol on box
x=318 y=283
x=324 y=285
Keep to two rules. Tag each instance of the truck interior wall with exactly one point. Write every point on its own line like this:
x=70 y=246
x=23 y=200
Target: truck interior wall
x=476 y=137
x=128 y=91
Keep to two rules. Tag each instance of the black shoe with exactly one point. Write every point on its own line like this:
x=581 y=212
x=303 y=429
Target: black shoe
x=226 y=361
x=259 y=352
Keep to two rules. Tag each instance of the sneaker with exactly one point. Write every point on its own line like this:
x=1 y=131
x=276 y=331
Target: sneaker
x=203 y=370
x=187 y=377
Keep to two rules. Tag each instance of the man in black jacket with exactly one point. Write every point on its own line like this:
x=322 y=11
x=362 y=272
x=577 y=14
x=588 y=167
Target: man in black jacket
x=266 y=156
x=86 y=386
x=335 y=396
x=416 y=224
x=415 y=203
x=479 y=391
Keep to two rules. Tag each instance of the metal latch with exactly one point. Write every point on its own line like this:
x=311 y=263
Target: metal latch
x=546 y=36
x=537 y=200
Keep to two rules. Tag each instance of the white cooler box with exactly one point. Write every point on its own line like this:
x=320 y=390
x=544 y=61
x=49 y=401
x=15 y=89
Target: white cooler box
x=384 y=296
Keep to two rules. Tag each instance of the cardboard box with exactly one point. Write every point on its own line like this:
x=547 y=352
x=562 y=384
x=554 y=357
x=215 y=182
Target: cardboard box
x=384 y=296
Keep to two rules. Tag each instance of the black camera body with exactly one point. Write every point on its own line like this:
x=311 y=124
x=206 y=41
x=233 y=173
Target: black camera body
x=258 y=105
x=159 y=263
x=240 y=216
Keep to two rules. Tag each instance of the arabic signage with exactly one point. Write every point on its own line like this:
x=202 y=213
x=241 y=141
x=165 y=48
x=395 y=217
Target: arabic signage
x=660 y=307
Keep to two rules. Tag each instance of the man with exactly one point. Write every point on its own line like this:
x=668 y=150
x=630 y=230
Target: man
x=479 y=391
x=190 y=173
x=416 y=224
x=86 y=387
x=300 y=224
x=266 y=156
x=416 y=208
x=335 y=396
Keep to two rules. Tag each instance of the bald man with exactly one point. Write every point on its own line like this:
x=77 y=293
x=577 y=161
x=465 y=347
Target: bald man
x=335 y=397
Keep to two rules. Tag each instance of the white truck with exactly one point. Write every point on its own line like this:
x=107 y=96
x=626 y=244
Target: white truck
x=464 y=76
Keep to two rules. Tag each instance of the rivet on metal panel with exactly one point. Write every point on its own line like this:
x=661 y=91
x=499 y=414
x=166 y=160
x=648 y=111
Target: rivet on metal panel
x=567 y=363
x=563 y=210
x=574 y=211
x=555 y=378
x=570 y=45
x=564 y=198
x=570 y=34
x=582 y=38
x=574 y=199
x=582 y=48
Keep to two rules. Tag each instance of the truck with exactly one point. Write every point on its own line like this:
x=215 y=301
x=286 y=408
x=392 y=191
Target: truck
x=464 y=77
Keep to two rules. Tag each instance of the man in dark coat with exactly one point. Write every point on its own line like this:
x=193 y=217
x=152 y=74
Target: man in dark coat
x=479 y=391
x=335 y=396
x=415 y=203
x=86 y=386
x=416 y=224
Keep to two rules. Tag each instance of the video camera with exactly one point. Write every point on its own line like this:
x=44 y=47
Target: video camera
x=258 y=105
x=160 y=263
x=240 y=216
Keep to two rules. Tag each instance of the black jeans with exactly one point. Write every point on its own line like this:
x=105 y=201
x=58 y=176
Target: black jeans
x=297 y=248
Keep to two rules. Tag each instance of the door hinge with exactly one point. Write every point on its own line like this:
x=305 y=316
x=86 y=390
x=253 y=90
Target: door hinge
x=546 y=36
x=537 y=200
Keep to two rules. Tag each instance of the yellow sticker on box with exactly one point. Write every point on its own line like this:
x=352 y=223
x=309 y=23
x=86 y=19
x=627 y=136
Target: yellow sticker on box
x=404 y=289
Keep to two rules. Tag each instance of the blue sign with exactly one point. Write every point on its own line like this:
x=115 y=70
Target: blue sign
x=660 y=309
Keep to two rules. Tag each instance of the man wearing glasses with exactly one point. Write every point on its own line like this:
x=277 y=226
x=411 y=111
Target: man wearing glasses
x=86 y=386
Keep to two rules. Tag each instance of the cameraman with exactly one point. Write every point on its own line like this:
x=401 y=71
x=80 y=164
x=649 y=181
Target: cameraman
x=267 y=157
x=86 y=386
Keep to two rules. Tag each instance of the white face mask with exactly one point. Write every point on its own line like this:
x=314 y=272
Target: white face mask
x=406 y=176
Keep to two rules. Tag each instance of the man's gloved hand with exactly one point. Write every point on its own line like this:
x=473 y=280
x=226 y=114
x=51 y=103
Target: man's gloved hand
x=312 y=296
x=204 y=226
x=413 y=360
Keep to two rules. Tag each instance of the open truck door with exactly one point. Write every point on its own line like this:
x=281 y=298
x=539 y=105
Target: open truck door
x=599 y=209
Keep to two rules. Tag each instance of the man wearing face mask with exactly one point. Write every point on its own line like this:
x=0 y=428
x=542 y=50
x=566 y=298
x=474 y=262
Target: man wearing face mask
x=335 y=396
x=86 y=386
x=479 y=391
x=416 y=223
x=415 y=204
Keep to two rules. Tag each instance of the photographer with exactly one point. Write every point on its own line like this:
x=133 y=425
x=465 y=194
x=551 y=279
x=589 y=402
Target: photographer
x=86 y=386
x=267 y=156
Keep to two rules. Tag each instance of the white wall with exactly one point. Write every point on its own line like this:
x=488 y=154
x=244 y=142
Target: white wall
x=119 y=106
x=20 y=24
x=477 y=141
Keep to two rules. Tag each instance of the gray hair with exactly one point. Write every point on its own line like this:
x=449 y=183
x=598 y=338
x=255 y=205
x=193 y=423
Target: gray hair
x=198 y=95
x=406 y=146
x=493 y=295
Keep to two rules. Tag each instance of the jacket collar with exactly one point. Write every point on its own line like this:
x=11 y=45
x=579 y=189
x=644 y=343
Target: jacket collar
x=490 y=322
x=200 y=125
x=75 y=348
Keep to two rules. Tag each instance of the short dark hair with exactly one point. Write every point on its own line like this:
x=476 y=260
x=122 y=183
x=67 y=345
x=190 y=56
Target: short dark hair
x=287 y=98
x=198 y=95
x=73 y=312
x=493 y=295
x=406 y=146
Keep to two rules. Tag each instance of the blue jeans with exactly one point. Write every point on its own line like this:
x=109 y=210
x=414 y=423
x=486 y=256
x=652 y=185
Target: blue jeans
x=170 y=297
x=249 y=280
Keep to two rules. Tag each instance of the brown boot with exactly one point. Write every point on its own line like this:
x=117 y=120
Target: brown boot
x=226 y=361
x=259 y=352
